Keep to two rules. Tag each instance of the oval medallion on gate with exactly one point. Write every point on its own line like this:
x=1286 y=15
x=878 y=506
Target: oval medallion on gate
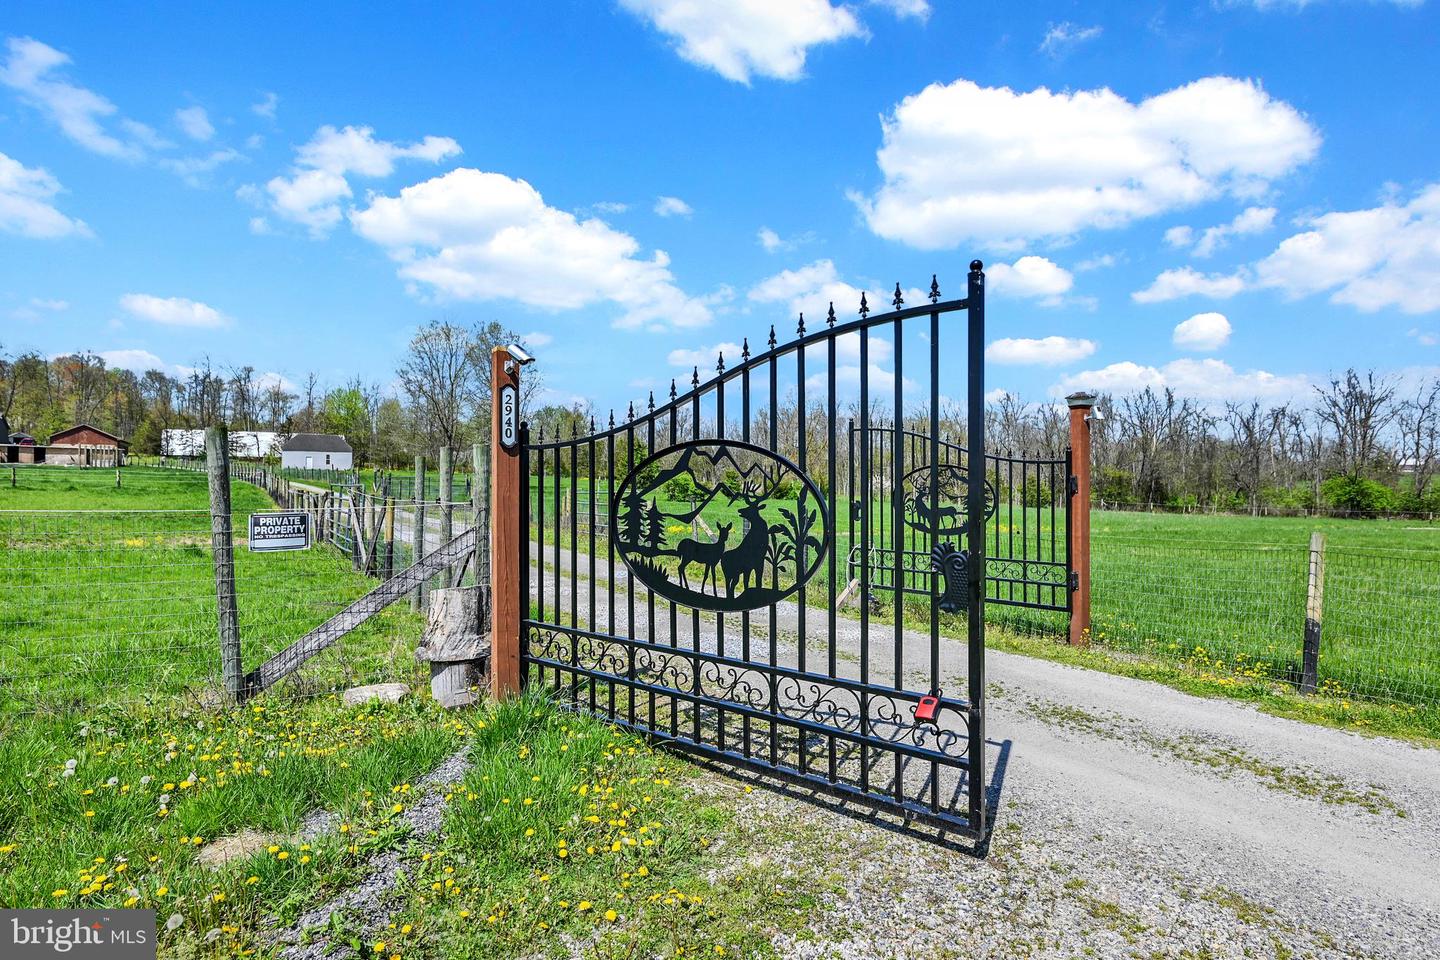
x=921 y=512
x=720 y=525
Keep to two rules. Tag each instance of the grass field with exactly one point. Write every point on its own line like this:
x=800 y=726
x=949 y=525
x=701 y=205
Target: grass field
x=107 y=595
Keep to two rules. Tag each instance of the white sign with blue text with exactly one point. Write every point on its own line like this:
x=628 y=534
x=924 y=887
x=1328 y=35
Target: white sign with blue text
x=289 y=530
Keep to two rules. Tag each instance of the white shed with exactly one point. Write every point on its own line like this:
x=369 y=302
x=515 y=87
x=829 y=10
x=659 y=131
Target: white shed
x=317 y=451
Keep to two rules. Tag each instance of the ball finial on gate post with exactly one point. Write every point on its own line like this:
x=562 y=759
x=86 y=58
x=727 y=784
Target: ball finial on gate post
x=976 y=266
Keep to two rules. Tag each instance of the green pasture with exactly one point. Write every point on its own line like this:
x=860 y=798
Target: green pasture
x=107 y=595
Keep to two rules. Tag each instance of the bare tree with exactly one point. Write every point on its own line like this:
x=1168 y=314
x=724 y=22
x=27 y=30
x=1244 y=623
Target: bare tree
x=439 y=375
x=1419 y=423
x=1358 y=410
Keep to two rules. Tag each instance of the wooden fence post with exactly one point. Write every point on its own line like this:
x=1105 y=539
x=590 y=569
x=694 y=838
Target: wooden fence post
x=1314 y=613
x=217 y=463
x=1079 y=514
x=417 y=528
x=507 y=530
x=480 y=504
x=447 y=512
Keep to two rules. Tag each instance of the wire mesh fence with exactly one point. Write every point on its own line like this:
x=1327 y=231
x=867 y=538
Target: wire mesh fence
x=1238 y=610
x=101 y=605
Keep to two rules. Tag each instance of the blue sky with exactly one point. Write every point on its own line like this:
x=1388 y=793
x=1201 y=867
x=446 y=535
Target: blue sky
x=1231 y=198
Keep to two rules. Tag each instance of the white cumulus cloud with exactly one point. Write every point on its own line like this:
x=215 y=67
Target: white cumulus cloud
x=536 y=338
x=1203 y=332
x=739 y=39
x=811 y=290
x=962 y=162
x=1385 y=256
x=195 y=123
x=34 y=71
x=1186 y=282
x=672 y=207
x=311 y=194
x=1208 y=379
x=26 y=207
x=704 y=357
x=474 y=235
x=173 y=311
x=906 y=9
x=1032 y=277
x=1061 y=38
x=1249 y=221
x=1045 y=351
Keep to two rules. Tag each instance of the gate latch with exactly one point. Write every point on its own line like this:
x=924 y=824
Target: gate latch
x=928 y=706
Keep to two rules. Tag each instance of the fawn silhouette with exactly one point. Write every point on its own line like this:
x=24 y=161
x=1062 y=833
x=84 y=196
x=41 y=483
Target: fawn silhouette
x=706 y=554
x=748 y=557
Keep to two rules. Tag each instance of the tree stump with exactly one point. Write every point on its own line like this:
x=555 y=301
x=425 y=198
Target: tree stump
x=456 y=643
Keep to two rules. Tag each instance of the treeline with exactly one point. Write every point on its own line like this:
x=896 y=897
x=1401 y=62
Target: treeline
x=443 y=398
x=1357 y=445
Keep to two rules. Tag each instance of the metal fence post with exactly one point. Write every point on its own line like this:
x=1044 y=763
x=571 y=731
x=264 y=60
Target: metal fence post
x=1079 y=515
x=217 y=462
x=1314 y=612
x=417 y=529
x=508 y=529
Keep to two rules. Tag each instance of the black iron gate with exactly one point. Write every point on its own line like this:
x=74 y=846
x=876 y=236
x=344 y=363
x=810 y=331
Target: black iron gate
x=702 y=611
x=1027 y=516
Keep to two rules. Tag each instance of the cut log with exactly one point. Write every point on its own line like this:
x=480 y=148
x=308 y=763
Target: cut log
x=456 y=643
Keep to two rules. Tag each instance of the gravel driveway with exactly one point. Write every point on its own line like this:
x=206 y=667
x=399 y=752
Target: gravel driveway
x=1134 y=820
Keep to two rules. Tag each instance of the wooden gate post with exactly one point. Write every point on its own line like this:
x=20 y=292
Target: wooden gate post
x=217 y=463
x=507 y=526
x=1079 y=514
x=417 y=528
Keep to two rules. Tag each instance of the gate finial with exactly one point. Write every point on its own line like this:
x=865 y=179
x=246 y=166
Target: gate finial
x=720 y=364
x=612 y=418
x=744 y=349
x=899 y=301
x=672 y=389
x=800 y=330
x=772 y=336
x=934 y=288
x=830 y=316
x=592 y=423
x=695 y=378
x=630 y=413
x=864 y=307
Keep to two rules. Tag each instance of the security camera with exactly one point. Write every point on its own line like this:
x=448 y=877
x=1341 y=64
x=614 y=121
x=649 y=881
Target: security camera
x=519 y=354
x=1096 y=415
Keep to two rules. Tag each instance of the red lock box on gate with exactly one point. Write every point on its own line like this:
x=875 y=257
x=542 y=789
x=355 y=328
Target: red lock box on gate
x=928 y=707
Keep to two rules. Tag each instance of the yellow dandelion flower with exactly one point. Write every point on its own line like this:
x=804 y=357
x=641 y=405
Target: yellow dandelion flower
x=161 y=891
x=60 y=893
x=283 y=855
x=583 y=905
x=611 y=915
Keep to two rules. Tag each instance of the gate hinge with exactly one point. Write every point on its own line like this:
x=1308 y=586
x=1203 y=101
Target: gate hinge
x=1073 y=485
x=1074 y=581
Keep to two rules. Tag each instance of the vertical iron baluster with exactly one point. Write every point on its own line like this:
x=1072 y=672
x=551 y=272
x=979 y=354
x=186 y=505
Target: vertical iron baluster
x=574 y=562
x=1010 y=515
x=897 y=533
x=590 y=624
x=975 y=769
x=745 y=435
x=720 y=614
x=629 y=587
x=934 y=493
x=649 y=594
x=540 y=527
x=833 y=495
x=800 y=559
x=674 y=612
x=774 y=628
x=695 y=613
x=523 y=438
x=610 y=540
x=865 y=511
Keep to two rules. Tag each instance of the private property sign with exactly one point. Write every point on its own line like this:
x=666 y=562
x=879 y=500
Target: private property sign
x=280 y=531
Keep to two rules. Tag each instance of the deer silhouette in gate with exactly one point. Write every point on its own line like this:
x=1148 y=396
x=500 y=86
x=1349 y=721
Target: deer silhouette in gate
x=706 y=554
x=746 y=562
x=948 y=513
